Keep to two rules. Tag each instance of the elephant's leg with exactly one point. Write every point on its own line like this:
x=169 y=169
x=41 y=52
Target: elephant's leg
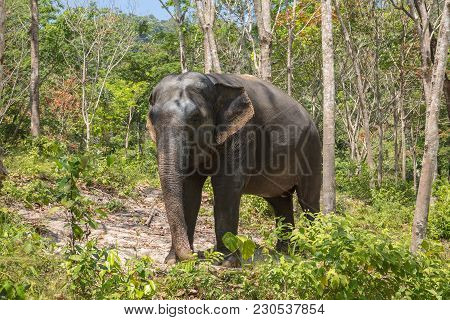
x=192 y=196
x=284 y=212
x=308 y=193
x=227 y=197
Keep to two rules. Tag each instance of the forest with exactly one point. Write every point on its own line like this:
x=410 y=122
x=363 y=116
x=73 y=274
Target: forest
x=82 y=214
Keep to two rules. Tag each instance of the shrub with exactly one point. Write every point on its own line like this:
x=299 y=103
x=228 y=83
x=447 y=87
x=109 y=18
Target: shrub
x=439 y=218
x=36 y=192
x=29 y=267
x=95 y=273
x=331 y=259
x=352 y=180
x=122 y=173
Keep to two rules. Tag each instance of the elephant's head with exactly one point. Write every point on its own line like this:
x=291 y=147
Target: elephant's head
x=186 y=110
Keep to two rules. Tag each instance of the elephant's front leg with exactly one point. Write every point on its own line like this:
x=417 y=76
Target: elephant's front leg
x=227 y=197
x=192 y=196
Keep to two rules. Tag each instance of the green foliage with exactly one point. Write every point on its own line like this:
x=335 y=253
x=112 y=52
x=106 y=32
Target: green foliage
x=29 y=267
x=350 y=262
x=121 y=173
x=81 y=218
x=333 y=259
x=239 y=244
x=95 y=273
x=362 y=254
x=352 y=180
x=252 y=208
x=439 y=218
x=36 y=192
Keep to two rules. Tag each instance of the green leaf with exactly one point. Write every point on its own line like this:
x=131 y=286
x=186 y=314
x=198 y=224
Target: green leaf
x=109 y=160
x=75 y=257
x=77 y=231
x=28 y=247
x=230 y=241
x=248 y=249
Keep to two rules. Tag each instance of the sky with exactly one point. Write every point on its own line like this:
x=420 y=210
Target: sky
x=138 y=7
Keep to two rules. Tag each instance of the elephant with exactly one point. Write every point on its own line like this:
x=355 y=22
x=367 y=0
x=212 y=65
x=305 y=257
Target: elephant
x=244 y=133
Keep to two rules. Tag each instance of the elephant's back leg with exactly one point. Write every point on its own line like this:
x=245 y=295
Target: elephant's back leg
x=284 y=213
x=308 y=193
x=310 y=174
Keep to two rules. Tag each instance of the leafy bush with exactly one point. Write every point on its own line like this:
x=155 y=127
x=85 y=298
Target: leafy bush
x=36 y=192
x=95 y=273
x=350 y=262
x=239 y=244
x=81 y=215
x=439 y=217
x=123 y=173
x=352 y=180
x=29 y=267
x=332 y=259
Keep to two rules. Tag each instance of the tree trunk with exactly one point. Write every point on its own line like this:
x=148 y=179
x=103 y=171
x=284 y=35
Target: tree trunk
x=3 y=172
x=395 y=115
x=179 y=18
x=262 y=11
x=127 y=136
x=206 y=14
x=414 y=157
x=360 y=90
x=291 y=26
x=431 y=127
x=403 y=139
x=378 y=98
x=207 y=56
x=447 y=95
x=138 y=125
x=88 y=135
x=2 y=42
x=34 y=81
x=329 y=180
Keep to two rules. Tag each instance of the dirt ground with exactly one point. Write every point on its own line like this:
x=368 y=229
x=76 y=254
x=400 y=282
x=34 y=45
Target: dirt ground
x=140 y=228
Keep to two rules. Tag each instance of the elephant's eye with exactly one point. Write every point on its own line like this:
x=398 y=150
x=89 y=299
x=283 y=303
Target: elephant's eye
x=196 y=117
x=151 y=114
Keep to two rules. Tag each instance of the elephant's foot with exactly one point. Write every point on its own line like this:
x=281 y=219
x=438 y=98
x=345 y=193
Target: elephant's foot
x=282 y=246
x=231 y=261
x=171 y=258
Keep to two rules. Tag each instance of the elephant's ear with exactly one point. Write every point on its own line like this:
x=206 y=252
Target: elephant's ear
x=149 y=126
x=233 y=109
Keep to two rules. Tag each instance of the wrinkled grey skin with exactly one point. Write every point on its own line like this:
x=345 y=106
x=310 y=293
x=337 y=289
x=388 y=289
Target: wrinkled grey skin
x=229 y=127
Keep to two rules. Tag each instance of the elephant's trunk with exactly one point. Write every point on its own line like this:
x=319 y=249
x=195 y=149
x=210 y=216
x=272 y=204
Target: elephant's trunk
x=171 y=177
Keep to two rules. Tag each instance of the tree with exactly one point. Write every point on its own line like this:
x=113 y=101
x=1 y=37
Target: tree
x=433 y=81
x=262 y=11
x=3 y=172
x=378 y=94
x=178 y=16
x=329 y=179
x=34 y=80
x=96 y=41
x=360 y=88
x=2 y=50
x=206 y=13
x=291 y=27
x=2 y=41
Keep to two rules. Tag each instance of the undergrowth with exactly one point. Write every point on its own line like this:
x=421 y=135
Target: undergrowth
x=360 y=253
